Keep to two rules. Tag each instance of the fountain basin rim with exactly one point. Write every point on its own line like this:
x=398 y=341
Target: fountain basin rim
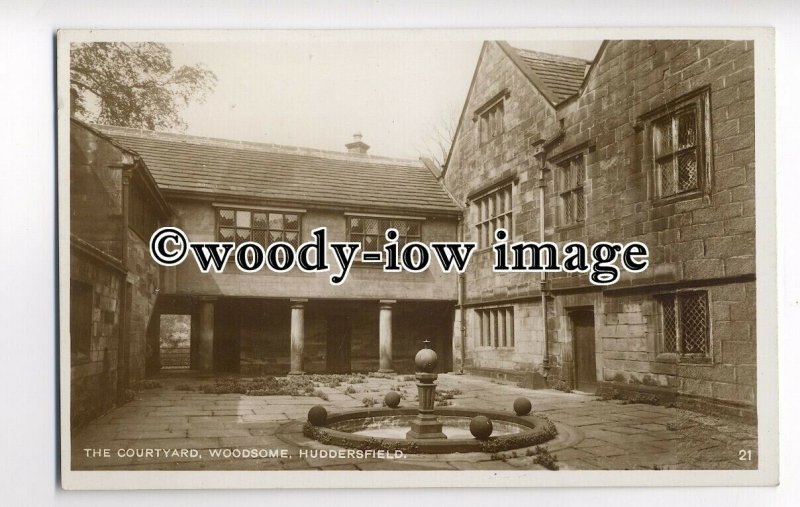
x=539 y=430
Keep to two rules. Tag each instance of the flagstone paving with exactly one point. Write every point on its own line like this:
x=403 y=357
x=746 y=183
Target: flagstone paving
x=593 y=434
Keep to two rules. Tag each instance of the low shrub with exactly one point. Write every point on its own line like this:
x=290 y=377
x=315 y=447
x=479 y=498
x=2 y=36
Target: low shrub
x=542 y=456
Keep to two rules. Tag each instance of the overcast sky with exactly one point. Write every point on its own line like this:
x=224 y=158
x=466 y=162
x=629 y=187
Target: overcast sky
x=319 y=94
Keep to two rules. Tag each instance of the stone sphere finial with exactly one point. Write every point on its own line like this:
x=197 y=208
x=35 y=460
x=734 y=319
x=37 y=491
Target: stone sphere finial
x=426 y=359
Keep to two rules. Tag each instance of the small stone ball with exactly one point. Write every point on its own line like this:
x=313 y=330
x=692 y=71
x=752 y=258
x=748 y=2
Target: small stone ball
x=481 y=427
x=426 y=360
x=522 y=406
x=392 y=399
x=317 y=415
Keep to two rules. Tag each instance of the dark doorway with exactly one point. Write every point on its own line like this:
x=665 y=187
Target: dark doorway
x=338 y=344
x=227 y=328
x=583 y=343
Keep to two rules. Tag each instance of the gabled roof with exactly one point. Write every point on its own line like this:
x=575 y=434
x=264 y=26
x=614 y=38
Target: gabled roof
x=223 y=169
x=140 y=168
x=557 y=77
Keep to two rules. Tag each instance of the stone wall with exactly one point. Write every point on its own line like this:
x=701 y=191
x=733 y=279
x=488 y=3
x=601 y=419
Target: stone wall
x=97 y=226
x=473 y=165
x=93 y=386
x=96 y=191
x=706 y=241
x=144 y=277
x=710 y=235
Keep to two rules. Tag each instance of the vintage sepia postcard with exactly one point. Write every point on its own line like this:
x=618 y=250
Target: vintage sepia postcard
x=301 y=259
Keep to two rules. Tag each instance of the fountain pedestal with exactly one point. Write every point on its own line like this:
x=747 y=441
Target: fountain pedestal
x=426 y=425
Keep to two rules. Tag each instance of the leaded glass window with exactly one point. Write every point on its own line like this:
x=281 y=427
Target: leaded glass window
x=493 y=212
x=259 y=226
x=371 y=231
x=572 y=175
x=679 y=145
x=684 y=318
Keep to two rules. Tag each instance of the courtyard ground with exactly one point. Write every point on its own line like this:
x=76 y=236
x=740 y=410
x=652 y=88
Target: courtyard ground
x=593 y=433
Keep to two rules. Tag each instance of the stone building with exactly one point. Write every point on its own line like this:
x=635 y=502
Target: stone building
x=295 y=322
x=114 y=206
x=653 y=141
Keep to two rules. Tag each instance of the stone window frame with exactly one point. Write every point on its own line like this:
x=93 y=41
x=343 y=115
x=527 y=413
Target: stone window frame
x=489 y=217
x=672 y=303
x=81 y=311
x=490 y=117
x=699 y=102
x=571 y=188
x=286 y=233
x=389 y=221
x=489 y=328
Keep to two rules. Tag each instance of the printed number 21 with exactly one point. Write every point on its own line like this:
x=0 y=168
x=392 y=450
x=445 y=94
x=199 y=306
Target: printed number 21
x=745 y=455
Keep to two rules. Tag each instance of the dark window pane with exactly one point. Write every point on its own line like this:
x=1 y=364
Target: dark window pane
x=370 y=243
x=370 y=226
x=580 y=205
x=260 y=237
x=276 y=221
x=260 y=220
x=225 y=218
x=292 y=223
x=580 y=170
x=242 y=235
x=226 y=234
x=694 y=323
x=670 y=324
x=687 y=170
x=412 y=228
x=687 y=130
x=356 y=225
x=400 y=225
x=566 y=199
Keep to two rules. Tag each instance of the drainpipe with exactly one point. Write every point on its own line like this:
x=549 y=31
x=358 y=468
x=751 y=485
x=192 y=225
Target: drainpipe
x=461 y=298
x=127 y=174
x=461 y=282
x=540 y=156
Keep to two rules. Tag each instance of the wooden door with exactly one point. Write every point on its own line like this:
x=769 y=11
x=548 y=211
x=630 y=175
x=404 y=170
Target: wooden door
x=583 y=343
x=338 y=344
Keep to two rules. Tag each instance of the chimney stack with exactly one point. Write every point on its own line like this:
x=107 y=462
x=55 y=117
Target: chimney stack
x=357 y=146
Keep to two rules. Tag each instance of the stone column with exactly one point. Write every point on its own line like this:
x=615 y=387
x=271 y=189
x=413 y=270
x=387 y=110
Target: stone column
x=205 y=346
x=385 y=335
x=298 y=335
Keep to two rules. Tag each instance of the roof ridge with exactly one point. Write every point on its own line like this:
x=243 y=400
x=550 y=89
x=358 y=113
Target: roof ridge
x=554 y=56
x=112 y=130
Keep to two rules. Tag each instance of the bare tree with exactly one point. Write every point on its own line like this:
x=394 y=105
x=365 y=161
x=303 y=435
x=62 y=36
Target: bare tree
x=439 y=139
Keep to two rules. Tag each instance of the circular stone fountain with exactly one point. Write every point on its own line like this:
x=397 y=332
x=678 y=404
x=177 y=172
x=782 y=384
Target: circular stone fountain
x=426 y=429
